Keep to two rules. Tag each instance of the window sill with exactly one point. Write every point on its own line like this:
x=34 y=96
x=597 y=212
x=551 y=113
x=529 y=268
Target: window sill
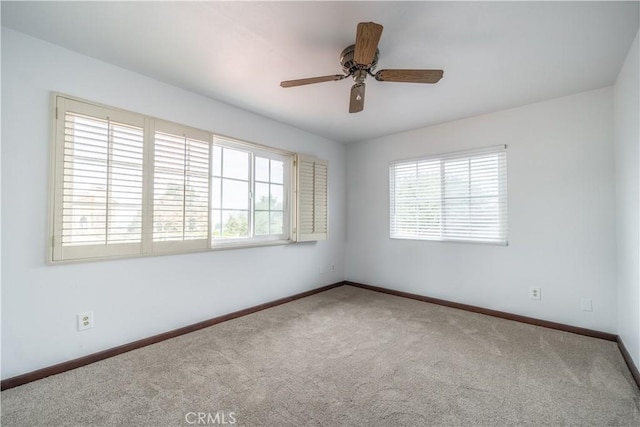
x=218 y=247
x=473 y=242
x=247 y=245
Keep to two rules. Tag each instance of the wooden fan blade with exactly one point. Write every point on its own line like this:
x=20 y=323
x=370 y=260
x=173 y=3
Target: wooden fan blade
x=311 y=80
x=367 y=39
x=409 y=76
x=356 y=101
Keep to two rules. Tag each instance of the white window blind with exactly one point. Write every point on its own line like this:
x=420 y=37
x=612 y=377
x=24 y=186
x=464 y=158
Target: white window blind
x=312 y=223
x=454 y=197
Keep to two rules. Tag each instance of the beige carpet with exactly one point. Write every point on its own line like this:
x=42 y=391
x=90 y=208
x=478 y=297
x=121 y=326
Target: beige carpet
x=348 y=357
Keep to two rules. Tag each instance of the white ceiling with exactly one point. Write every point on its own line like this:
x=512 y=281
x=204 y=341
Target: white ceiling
x=495 y=55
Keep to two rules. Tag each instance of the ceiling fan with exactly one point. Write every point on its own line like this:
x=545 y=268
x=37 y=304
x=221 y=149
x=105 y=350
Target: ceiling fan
x=359 y=60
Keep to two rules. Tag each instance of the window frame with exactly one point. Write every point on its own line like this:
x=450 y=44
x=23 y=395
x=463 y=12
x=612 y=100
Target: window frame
x=502 y=196
x=147 y=246
x=288 y=191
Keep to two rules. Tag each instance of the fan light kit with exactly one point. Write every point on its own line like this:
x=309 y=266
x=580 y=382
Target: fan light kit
x=360 y=60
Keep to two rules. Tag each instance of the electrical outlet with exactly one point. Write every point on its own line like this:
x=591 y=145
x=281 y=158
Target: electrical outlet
x=333 y=267
x=85 y=320
x=587 y=304
x=535 y=293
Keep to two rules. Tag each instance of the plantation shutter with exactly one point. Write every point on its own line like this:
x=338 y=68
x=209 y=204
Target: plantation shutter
x=180 y=187
x=312 y=209
x=457 y=197
x=98 y=181
x=124 y=184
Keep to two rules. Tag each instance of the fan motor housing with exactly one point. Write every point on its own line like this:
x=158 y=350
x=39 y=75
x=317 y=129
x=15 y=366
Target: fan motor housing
x=350 y=66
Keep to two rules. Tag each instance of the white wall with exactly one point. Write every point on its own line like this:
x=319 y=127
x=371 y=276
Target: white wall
x=627 y=158
x=133 y=298
x=561 y=208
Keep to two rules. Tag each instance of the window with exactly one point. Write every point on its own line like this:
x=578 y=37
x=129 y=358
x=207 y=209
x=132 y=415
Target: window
x=250 y=193
x=124 y=184
x=453 y=197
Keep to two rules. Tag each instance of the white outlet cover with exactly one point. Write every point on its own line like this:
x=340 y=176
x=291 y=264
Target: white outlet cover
x=85 y=320
x=535 y=293
x=587 y=304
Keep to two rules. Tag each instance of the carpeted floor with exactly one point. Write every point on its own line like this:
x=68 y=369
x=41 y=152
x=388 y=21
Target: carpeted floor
x=348 y=357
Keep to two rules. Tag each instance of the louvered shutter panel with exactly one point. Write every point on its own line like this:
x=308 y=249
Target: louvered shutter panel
x=180 y=188
x=99 y=177
x=312 y=209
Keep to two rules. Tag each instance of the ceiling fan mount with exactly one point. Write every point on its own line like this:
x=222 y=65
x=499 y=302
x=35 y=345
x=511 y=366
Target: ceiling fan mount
x=359 y=60
x=350 y=66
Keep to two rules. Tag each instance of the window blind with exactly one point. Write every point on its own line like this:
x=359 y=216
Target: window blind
x=459 y=197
